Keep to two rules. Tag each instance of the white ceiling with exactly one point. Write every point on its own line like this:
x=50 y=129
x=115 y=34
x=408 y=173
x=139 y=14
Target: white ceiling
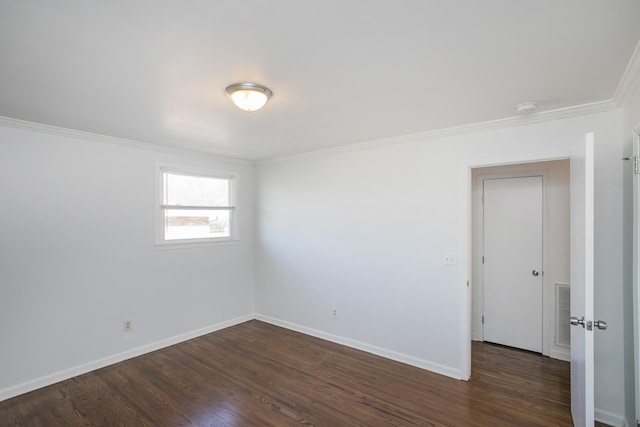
x=342 y=72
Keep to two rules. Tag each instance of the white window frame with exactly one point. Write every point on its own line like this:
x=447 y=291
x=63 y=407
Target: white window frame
x=160 y=208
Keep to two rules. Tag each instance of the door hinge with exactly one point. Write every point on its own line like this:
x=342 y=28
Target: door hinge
x=467 y=283
x=483 y=259
x=483 y=319
x=636 y=167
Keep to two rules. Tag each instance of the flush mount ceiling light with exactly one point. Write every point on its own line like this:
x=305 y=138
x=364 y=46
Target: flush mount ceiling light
x=248 y=96
x=526 y=108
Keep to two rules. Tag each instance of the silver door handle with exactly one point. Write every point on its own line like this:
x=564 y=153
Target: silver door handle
x=575 y=321
x=535 y=273
x=600 y=324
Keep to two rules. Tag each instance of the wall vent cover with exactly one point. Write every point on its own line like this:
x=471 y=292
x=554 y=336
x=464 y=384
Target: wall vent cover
x=563 y=306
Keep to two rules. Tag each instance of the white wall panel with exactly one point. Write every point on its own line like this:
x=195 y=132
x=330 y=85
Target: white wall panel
x=77 y=257
x=631 y=123
x=365 y=231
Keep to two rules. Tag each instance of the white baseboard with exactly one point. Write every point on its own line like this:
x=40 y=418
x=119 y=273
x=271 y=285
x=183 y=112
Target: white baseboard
x=560 y=354
x=383 y=352
x=610 y=418
x=37 y=383
x=31 y=385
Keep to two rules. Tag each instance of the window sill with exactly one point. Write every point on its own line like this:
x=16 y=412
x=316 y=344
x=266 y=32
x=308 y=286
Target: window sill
x=186 y=245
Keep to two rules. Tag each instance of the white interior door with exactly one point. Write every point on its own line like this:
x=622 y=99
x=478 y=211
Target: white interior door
x=582 y=246
x=513 y=262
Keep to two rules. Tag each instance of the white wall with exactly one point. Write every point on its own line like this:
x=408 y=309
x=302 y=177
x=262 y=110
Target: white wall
x=77 y=257
x=365 y=231
x=631 y=121
x=361 y=230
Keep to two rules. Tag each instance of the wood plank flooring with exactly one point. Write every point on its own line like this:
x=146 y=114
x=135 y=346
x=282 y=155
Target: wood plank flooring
x=256 y=374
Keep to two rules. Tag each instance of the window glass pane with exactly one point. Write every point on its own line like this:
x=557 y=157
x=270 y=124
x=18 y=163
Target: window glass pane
x=196 y=224
x=191 y=190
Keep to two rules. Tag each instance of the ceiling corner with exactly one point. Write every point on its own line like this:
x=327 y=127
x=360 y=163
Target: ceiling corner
x=630 y=78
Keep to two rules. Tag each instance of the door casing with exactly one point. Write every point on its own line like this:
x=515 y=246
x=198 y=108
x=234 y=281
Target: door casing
x=466 y=273
x=548 y=291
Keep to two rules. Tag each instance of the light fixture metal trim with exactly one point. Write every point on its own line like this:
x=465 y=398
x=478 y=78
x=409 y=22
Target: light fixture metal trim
x=248 y=96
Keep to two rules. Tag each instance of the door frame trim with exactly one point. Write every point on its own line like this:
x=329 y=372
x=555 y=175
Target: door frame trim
x=466 y=239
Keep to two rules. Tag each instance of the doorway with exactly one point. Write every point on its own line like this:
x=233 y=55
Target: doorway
x=520 y=256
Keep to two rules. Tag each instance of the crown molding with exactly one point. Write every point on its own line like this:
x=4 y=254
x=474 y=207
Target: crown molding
x=630 y=79
x=544 y=116
x=95 y=137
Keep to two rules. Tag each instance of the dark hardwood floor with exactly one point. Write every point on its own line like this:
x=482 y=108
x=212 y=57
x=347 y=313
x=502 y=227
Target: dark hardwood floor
x=256 y=374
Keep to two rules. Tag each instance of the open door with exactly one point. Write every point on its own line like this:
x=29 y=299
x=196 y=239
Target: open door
x=582 y=248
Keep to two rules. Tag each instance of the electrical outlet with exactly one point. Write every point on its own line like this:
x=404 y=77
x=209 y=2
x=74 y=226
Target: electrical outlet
x=334 y=312
x=127 y=326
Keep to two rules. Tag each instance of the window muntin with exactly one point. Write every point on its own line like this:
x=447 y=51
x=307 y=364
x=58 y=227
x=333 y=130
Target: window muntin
x=196 y=207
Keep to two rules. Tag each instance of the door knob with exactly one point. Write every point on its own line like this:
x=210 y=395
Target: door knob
x=535 y=273
x=600 y=324
x=575 y=321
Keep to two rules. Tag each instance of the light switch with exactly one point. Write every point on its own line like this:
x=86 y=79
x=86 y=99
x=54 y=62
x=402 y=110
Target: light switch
x=449 y=258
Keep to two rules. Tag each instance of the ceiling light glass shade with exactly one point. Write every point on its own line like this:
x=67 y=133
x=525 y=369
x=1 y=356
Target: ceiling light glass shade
x=248 y=96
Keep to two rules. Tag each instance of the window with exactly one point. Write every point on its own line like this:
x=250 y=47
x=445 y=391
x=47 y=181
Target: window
x=195 y=207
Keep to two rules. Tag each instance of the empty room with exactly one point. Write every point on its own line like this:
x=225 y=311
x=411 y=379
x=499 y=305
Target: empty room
x=249 y=213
